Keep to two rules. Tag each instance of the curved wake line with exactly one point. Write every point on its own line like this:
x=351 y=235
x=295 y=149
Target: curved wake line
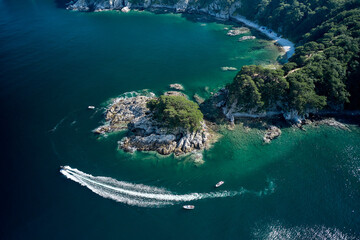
x=57 y=125
x=142 y=195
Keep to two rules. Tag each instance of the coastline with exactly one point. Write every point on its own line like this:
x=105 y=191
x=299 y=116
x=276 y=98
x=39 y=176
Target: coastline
x=287 y=46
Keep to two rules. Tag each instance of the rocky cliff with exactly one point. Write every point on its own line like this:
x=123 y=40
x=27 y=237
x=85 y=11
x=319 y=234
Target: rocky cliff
x=221 y=9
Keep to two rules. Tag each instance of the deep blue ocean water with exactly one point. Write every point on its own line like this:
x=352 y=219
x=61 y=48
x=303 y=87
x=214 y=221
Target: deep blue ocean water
x=54 y=63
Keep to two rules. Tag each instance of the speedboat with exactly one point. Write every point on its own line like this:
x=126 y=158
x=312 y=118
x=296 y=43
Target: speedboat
x=91 y=107
x=219 y=184
x=188 y=207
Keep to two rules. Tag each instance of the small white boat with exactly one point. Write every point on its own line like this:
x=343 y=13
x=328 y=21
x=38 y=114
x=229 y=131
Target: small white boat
x=91 y=107
x=219 y=184
x=188 y=207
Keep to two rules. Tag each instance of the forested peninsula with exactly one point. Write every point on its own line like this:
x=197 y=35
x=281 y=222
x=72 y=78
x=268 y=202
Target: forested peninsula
x=324 y=71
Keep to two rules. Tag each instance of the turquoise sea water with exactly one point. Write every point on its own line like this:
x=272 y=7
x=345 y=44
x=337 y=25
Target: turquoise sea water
x=54 y=63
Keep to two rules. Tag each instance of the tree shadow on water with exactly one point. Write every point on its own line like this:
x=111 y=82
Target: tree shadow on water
x=62 y=3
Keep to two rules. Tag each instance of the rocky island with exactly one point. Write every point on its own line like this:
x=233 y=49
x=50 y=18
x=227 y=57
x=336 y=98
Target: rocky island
x=168 y=124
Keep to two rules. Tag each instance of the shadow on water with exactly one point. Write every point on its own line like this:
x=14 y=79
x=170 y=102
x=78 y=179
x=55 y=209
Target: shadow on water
x=65 y=3
x=62 y=3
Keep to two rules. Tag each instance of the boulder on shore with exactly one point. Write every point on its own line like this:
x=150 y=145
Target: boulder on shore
x=271 y=133
x=125 y=9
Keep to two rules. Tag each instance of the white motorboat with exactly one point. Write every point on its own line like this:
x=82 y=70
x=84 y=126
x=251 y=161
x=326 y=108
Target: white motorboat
x=188 y=207
x=219 y=184
x=91 y=107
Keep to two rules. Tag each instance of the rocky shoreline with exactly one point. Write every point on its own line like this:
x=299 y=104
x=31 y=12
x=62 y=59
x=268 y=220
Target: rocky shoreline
x=216 y=109
x=146 y=134
x=231 y=113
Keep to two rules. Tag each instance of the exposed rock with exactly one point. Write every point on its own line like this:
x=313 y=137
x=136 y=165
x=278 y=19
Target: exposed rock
x=271 y=133
x=293 y=117
x=237 y=31
x=146 y=134
x=246 y=38
x=198 y=159
x=332 y=122
x=177 y=86
x=307 y=122
x=229 y=68
x=174 y=93
x=125 y=9
x=198 y=99
x=123 y=111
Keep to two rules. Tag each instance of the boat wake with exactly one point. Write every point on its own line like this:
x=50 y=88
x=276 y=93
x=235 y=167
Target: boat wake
x=57 y=125
x=142 y=195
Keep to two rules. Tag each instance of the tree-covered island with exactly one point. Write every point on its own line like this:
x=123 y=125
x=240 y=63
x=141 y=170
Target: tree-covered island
x=167 y=124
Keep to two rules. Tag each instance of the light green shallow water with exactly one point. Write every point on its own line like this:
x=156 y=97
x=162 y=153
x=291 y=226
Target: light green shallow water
x=55 y=63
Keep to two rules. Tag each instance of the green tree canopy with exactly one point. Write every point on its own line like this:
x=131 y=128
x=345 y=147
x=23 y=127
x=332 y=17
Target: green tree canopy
x=258 y=88
x=176 y=111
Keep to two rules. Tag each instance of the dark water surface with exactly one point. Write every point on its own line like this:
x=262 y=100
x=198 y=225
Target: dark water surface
x=54 y=63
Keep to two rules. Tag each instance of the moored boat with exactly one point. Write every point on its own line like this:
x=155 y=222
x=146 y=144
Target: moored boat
x=219 y=184
x=91 y=107
x=188 y=207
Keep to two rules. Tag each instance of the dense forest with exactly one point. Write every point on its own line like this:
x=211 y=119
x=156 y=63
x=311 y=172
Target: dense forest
x=324 y=71
x=176 y=111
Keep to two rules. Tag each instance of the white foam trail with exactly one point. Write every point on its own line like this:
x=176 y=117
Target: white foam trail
x=57 y=125
x=142 y=195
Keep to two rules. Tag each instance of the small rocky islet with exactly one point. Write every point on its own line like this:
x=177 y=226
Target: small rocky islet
x=237 y=31
x=145 y=133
